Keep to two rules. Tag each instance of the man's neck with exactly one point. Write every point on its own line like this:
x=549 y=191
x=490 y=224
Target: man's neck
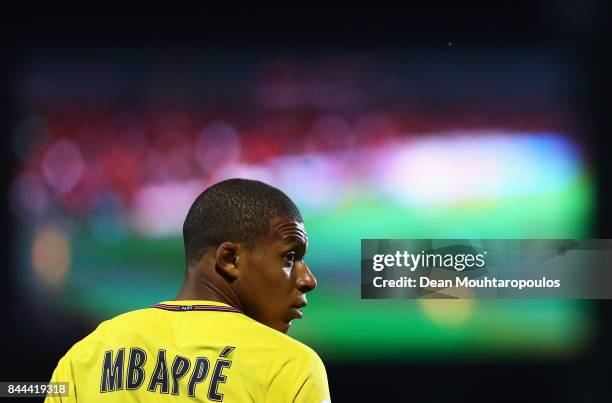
x=202 y=284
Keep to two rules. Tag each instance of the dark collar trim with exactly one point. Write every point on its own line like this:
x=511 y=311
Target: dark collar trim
x=184 y=308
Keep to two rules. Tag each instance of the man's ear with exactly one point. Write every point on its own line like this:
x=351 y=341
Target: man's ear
x=227 y=259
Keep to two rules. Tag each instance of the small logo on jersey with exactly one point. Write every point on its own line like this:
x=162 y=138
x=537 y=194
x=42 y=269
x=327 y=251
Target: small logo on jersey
x=186 y=307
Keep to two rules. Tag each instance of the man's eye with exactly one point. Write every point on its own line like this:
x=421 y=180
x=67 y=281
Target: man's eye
x=290 y=257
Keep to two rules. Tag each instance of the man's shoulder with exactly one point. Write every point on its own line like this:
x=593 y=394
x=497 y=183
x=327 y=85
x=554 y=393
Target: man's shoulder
x=247 y=331
x=283 y=344
x=106 y=329
x=133 y=318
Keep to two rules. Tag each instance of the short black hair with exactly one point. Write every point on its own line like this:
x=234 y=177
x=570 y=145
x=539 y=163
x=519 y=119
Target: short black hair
x=235 y=210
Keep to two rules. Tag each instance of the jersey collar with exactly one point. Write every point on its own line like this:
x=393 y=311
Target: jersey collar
x=195 y=305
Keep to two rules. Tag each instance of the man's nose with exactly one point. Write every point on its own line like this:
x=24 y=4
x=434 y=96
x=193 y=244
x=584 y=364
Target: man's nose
x=306 y=281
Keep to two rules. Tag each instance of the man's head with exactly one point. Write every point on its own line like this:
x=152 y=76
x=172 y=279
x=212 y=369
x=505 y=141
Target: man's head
x=247 y=239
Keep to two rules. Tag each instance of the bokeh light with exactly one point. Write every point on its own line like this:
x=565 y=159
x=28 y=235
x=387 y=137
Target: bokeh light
x=62 y=165
x=51 y=255
x=448 y=312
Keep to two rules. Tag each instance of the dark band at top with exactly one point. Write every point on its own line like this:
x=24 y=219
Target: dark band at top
x=185 y=308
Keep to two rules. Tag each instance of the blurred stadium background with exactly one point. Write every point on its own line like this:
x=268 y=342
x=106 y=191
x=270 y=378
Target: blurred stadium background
x=437 y=139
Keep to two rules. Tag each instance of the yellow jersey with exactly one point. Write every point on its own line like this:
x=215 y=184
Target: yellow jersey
x=200 y=351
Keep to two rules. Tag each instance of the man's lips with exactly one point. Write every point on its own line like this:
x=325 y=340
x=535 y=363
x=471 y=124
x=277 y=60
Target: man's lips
x=296 y=313
x=296 y=310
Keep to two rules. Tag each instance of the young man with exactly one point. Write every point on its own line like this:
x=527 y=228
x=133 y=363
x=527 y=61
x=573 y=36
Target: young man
x=223 y=338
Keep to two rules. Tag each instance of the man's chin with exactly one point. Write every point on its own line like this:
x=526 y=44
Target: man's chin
x=284 y=327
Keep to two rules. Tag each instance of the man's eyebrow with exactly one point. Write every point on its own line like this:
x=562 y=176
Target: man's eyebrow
x=295 y=239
